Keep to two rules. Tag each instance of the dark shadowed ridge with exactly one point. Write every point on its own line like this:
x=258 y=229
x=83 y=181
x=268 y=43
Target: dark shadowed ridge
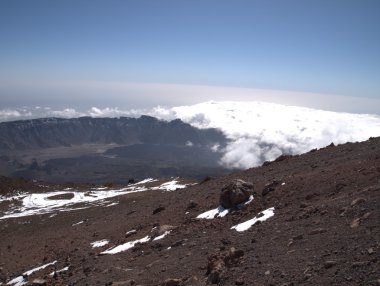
x=55 y=132
x=108 y=149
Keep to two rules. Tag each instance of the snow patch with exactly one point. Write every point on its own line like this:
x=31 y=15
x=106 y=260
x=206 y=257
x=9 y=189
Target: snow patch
x=249 y=200
x=149 y=180
x=131 y=231
x=247 y=224
x=162 y=235
x=78 y=223
x=131 y=244
x=170 y=186
x=19 y=280
x=60 y=271
x=221 y=211
x=111 y=204
x=99 y=243
x=218 y=212
x=42 y=203
x=125 y=246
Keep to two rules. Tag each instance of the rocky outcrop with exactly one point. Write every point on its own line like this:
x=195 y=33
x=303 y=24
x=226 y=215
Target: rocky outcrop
x=219 y=262
x=235 y=193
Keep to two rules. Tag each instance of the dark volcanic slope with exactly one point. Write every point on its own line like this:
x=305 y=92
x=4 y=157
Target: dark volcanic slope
x=325 y=230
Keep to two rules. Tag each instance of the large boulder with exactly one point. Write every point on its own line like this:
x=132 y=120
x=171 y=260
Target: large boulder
x=235 y=193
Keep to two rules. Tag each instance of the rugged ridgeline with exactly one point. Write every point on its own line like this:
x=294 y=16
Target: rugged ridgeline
x=313 y=220
x=107 y=149
x=57 y=132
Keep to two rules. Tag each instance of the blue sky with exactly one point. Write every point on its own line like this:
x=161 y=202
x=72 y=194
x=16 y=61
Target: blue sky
x=325 y=46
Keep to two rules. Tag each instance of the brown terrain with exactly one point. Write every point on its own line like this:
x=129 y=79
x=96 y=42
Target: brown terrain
x=325 y=229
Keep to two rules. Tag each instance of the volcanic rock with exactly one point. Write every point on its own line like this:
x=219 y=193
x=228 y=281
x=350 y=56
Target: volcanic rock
x=192 y=204
x=329 y=264
x=159 y=209
x=194 y=281
x=124 y=283
x=269 y=188
x=235 y=193
x=172 y=282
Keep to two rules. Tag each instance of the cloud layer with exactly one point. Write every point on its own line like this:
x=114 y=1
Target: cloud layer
x=258 y=131
x=262 y=131
x=39 y=112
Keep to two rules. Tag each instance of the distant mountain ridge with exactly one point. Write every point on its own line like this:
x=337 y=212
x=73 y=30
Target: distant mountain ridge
x=54 y=132
x=108 y=149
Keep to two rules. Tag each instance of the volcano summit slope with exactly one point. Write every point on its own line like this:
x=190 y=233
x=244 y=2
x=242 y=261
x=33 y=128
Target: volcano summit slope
x=313 y=220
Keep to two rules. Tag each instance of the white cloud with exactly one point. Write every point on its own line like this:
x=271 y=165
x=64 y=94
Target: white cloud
x=13 y=114
x=66 y=113
x=262 y=131
x=40 y=112
x=113 y=112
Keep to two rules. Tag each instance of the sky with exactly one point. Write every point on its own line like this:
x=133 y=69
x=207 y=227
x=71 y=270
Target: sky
x=140 y=54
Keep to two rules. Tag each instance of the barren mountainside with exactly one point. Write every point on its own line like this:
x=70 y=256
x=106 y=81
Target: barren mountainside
x=314 y=220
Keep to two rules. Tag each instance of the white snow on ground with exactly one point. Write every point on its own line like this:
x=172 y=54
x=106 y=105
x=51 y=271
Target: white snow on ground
x=162 y=235
x=19 y=280
x=78 y=223
x=247 y=224
x=249 y=200
x=131 y=244
x=112 y=204
x=42 y=203
x=60 y=271
x=170 y=186
x=125 y=246
x=12 y=198
x=99 y=243
x=219 y=212
x=131 y=231
x=149 y=180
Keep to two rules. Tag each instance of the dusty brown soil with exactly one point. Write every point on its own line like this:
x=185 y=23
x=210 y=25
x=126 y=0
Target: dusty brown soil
x=325 y=230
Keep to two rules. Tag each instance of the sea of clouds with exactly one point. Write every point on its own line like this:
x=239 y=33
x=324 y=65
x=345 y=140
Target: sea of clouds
x=258 y=131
